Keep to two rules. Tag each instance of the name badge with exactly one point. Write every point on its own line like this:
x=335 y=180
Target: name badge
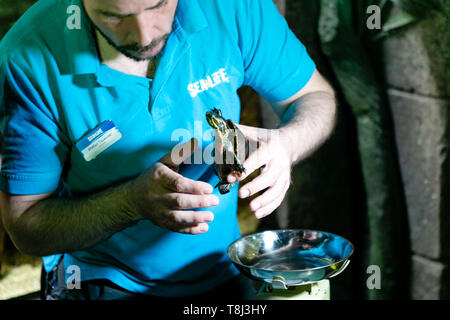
x=98 y=140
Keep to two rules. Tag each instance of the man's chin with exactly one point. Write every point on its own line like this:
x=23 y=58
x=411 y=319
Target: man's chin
x=138 y=57
x=144 y=55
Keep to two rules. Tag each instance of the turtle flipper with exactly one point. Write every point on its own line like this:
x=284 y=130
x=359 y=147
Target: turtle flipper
x=216 y=168
x=224 y=187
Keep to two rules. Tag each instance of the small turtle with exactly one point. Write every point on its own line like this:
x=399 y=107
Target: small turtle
x=229 y=139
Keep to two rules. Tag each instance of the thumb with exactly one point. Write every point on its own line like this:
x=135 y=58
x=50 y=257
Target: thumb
x=179 y=153
x=253 y=133
x=254 y=137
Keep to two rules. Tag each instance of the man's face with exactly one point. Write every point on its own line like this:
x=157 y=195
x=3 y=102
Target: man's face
x=137 y=28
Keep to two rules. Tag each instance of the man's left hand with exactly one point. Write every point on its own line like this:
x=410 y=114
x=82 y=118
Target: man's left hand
x=272 y=155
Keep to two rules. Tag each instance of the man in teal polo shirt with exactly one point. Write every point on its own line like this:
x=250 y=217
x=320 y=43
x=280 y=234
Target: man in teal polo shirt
x=96 y=95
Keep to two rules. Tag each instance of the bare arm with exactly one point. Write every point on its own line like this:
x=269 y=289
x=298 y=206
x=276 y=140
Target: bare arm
x=42 y=225
x=308 y=118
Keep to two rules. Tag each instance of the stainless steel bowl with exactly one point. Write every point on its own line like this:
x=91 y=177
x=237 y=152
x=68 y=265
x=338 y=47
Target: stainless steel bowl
x=286 y=258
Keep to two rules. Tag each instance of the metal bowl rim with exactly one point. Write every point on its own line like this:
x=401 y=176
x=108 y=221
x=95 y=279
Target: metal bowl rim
x=290 y=230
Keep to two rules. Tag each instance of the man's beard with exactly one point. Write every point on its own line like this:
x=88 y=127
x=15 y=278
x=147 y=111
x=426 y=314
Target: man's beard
x=130 y=51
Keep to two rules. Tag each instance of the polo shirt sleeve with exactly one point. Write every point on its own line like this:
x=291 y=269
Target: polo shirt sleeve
x=33 y=153
x=276 y=63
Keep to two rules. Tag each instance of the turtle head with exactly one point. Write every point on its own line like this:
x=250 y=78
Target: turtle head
x=216 y=121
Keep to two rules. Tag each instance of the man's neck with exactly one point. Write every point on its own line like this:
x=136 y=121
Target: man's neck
x=118 y=61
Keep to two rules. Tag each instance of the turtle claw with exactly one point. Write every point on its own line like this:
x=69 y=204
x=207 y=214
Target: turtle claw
x=238 y=169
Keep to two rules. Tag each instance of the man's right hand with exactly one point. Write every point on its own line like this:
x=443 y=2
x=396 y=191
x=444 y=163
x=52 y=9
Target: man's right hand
x=166 y=198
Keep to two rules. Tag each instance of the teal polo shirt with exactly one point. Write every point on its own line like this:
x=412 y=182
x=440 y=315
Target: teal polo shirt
x=55 y=95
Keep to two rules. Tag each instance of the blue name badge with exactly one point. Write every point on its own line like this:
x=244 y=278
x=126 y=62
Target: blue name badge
x=98 y=140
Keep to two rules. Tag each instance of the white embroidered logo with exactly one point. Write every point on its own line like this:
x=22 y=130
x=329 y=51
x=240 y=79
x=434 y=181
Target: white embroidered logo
x=216 y=78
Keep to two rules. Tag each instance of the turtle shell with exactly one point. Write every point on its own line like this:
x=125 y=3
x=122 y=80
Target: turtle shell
x=231 y=141
x=236 y=140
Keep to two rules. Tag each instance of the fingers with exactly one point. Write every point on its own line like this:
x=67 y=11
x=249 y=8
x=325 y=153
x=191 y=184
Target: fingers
x=174 y=181
x=186 y=218
x=268 y=209
x=198 y=229
x=188 y=222
x=270 y=200
x=181 y=184
x=267 y=178
x=178 y=194
x=189 y=201
x=255 y=161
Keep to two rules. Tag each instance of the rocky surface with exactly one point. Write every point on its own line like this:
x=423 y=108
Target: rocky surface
x=417 y=61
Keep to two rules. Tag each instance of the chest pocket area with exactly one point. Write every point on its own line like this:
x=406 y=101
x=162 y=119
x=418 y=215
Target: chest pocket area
x=218 y=89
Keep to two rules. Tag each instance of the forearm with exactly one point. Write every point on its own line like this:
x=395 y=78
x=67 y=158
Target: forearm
x=57 y=225
x=308 y=123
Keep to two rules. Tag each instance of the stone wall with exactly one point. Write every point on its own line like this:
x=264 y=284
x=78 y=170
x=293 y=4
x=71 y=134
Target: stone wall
x=417 y=69
x=325 y=194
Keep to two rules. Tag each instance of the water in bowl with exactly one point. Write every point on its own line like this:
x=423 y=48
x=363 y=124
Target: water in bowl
x=285 y=261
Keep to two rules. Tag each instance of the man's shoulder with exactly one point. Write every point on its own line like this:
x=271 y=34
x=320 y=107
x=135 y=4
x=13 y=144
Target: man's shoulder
x=230 y=5
x=37 y=31
x=226 y=7
x=234 y=14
